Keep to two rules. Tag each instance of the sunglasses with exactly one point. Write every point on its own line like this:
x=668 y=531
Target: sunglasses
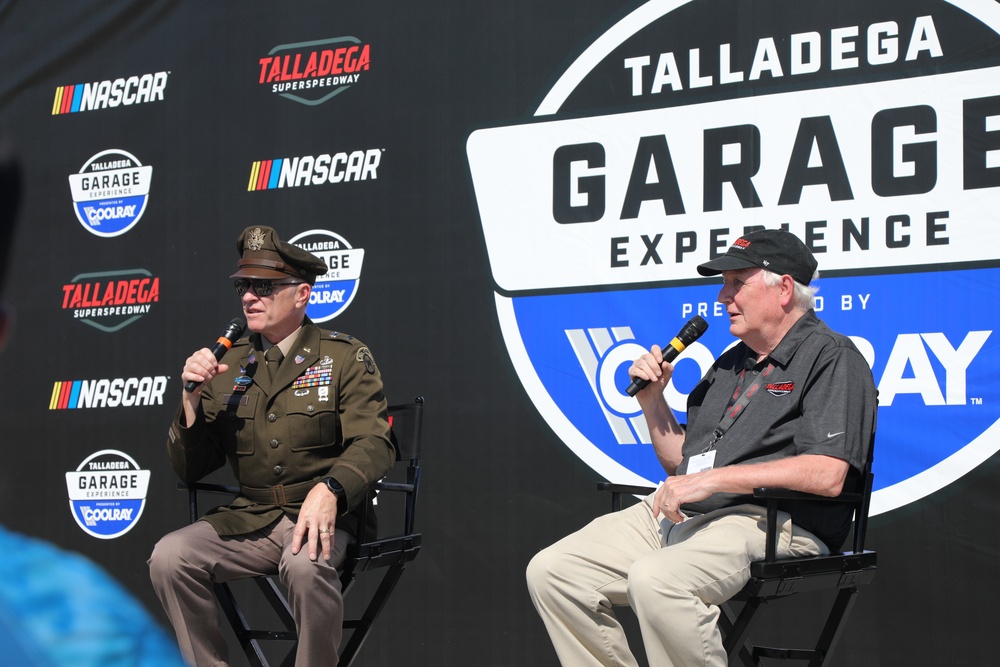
x=261 y=286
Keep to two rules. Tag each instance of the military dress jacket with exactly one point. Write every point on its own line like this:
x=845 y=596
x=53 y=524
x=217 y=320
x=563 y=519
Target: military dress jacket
x=323 y=416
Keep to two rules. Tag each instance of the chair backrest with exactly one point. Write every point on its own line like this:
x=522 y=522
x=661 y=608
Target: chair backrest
x=856 y=495
x=864 y=504
x=406 y=421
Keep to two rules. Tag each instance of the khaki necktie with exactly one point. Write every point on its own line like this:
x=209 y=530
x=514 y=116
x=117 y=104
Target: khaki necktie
x=273 y=358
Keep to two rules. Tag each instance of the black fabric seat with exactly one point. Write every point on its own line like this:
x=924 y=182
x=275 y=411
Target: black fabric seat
x=388 y=555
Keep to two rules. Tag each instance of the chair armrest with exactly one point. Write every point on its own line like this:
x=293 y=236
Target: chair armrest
x=210 y=488
x=394 y=486
x=774 y=493
x=625 y=488
x=618 y=490
x=194 y=487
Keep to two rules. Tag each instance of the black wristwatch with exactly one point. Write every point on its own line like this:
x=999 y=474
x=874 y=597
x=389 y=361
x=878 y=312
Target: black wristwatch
x=338 y=491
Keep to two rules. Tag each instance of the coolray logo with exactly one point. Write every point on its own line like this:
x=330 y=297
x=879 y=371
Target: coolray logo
x=360 y=165
x=868 y=131
x=313 y=72
x=111 y=300
x=108 y=393
x=334 y=291
x=110 y=192
x=107 y=493
x=110 y=94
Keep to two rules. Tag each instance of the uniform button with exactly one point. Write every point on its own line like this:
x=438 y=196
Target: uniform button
x=277 y=470
x=310 y=408
x=272 y=418
x=274 y=444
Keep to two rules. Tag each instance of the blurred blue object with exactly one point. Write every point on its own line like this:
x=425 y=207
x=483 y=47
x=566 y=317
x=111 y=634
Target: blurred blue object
x=58 y=609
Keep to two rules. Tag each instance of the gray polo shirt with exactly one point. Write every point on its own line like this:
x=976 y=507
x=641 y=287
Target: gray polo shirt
x=819 y=398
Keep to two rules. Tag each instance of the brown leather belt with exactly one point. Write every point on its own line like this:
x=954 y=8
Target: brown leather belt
x=283 y=494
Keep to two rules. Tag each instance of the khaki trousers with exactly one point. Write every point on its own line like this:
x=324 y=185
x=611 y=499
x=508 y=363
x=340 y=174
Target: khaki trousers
x=187 y=562
x=673 y=576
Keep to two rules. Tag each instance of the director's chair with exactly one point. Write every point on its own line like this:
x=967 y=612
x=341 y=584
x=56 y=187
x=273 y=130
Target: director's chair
x=775 y=578
x=390 y=554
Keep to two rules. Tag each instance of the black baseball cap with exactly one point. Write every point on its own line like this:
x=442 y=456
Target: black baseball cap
x=772 y=249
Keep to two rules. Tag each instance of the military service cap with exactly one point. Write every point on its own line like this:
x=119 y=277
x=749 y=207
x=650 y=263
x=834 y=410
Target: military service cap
x=264 y=255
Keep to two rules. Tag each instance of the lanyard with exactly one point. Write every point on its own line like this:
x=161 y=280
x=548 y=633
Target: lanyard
x=738 y=403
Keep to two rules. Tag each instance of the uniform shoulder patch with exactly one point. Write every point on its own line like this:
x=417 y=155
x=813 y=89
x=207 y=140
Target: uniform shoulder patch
x=364 y=355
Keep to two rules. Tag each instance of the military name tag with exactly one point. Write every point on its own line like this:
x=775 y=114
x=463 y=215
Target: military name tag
x=234 y=399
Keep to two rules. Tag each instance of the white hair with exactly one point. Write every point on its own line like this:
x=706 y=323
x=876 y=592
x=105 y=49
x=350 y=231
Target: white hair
x=804 y=296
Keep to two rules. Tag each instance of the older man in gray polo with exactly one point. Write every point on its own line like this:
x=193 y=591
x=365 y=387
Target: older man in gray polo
x=792 y=405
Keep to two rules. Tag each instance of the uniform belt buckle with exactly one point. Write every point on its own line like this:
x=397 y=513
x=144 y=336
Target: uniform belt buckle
x=279 y=495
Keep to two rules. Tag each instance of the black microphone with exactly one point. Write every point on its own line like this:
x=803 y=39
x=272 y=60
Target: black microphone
x=691 y=331
x=232 y=334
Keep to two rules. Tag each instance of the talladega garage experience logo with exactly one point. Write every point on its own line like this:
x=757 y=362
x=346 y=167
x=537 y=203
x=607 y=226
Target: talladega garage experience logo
x=110 y=192
x=870 y=130
x=333 y=291
x=107 y=493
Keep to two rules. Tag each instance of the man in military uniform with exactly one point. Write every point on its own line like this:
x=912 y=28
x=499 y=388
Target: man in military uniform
x=300 y=415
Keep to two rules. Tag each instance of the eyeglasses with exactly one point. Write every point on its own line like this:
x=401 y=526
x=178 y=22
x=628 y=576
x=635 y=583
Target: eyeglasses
x=261 y=286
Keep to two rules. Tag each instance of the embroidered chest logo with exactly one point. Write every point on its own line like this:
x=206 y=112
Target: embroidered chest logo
x=780 y=388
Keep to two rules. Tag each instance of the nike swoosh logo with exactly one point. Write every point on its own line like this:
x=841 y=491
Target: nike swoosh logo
x=834 y=435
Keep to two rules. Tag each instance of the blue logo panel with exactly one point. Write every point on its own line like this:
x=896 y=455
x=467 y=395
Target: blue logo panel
x=329 y=298
x=927 y=336
x=107 y=518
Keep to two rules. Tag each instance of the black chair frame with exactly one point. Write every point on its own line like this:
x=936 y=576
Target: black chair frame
x=774 y=578
x=391 y=553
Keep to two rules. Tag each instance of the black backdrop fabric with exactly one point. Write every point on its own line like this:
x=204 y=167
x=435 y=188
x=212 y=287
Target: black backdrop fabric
x=498 y=482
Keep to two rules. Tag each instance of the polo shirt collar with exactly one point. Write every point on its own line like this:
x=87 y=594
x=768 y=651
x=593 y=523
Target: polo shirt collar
x=802 y=329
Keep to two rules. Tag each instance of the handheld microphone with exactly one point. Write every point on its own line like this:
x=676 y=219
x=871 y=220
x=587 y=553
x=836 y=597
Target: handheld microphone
x=691 y=331
x=232 y=334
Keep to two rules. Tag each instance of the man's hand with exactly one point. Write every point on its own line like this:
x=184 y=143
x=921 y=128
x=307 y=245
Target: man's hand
x=650 y=366
x=680 y=489
x=809 y=473
x=200 y=367
x=317 y=519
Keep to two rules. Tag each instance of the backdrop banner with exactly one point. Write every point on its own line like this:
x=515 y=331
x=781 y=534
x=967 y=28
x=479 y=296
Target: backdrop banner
x=512 y=198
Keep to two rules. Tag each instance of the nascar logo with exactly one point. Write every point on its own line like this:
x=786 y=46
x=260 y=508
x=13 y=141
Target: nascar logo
x=109 y=94
x=118 y=392
x=360 y=165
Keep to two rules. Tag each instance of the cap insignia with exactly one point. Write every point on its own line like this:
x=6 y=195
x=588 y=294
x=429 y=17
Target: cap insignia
x=256 y=240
